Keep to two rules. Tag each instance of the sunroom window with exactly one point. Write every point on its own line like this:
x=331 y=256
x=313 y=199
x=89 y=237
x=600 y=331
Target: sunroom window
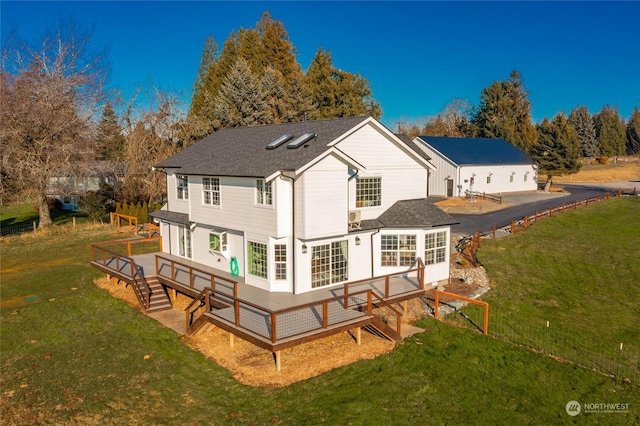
x=435 y=246
x=257 y=259
x=397 y=249
x=329 y=264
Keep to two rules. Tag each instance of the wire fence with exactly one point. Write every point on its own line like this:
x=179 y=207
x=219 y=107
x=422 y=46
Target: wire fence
x=18 y=229
x=615 y=359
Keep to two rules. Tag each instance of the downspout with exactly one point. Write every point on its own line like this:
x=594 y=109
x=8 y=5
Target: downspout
x=293 y=230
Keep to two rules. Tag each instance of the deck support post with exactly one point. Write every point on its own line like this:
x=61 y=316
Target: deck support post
x=278 y=356
x=359 y=335
x=231 y=340
x=405 y=306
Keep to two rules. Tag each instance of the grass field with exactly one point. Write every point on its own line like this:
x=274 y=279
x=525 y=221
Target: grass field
x=71 y=353
x=627 y=168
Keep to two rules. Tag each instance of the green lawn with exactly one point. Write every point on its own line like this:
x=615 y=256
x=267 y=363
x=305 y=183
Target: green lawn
x=71 y=353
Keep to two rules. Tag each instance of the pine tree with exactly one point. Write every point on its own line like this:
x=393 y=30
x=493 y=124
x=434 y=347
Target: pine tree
x=110 y=138
x=582 y=122
x=610 y=132
x=241 y=100
x=505 y=112
x=557 y=150
x=208 y=59
x=337 y=93
x=633 y=133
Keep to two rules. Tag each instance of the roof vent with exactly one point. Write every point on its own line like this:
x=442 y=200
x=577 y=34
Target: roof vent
x=282 y=139
x=301 y=140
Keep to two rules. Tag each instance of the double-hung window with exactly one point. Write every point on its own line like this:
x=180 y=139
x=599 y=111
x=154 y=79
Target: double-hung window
x=280 y=251
x=435 y=246
x=368 y=192
x=397 y=249
x=263 y=192
x=211 y=191
x=182 y=187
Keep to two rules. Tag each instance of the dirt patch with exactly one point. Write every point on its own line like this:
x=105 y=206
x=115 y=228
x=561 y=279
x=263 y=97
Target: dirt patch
x=254 y=366
x=458 y=205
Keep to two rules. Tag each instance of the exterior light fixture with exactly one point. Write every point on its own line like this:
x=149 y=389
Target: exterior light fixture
x=357 y=241
x=304 y=248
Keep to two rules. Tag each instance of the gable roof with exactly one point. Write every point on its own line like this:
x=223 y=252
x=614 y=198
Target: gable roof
x=477 y=151
x=417 y=213
x=242 y=151
x=413 y=145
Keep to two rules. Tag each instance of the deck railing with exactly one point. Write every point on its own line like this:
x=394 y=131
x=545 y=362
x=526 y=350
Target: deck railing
x=129 y=244
x=419 y=270
x=274 y=325
x=174 y=270
x=124 y=266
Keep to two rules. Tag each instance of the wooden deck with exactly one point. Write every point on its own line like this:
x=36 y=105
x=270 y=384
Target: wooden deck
x=273 y=321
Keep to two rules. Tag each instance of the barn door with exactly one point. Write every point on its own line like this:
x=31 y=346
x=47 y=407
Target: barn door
x=449 y=187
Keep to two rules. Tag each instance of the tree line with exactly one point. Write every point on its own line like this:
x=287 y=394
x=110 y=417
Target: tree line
x=557 y=144
x=59 y=117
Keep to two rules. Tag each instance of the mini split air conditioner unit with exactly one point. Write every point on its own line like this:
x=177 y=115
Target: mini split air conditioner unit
x=354 y=220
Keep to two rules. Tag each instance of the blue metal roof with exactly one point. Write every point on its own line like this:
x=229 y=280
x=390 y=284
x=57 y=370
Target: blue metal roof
x=477 y=151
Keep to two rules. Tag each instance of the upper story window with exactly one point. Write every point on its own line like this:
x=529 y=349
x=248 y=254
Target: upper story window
x=435 y=246
x=263 y=192
x=368 y=192
x=211 y=191
x=182 y=184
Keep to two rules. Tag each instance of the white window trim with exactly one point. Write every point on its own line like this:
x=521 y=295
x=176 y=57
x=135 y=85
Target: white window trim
x=399 y=250
x=277 y=262
x=435 y=248
x=182 y=192
x=369 y=203
x=211 y=191
x=261 y=193
x=223 y=238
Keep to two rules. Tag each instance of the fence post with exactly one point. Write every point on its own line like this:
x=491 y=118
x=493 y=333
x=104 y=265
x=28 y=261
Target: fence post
x=546 y=338
x=34 y=227
x=494 y=230
x=619 y=360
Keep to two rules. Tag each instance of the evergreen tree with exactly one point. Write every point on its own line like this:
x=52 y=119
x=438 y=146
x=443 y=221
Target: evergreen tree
x=208 y=59
x=557 y=151
x=241 y=100
x=610 y=132
x=337 y=93
x=110 y=138
x=505 y=112
x=633 y=133
x=582 y=122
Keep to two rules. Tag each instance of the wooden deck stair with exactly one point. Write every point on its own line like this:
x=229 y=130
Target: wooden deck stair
x=158 y=300
x=380 y=328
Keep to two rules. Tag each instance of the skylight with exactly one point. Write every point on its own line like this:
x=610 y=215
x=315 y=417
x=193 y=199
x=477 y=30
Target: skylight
x=282 y=139
x=301 y=140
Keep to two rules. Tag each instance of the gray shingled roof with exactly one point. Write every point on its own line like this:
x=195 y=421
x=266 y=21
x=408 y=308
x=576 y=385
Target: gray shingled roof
x=241 y=151
x=418 y=213
x=476 y=151
x=175 y=217
x=411 y=144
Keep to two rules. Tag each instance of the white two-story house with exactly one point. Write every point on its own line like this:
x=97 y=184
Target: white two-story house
x=300 y=206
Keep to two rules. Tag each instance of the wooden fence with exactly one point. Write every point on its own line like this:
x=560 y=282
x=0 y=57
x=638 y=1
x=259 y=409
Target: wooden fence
x=483 y=195
x=468 y=246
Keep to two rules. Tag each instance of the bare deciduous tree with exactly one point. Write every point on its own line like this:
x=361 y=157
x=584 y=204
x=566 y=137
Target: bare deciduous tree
x=49 y=96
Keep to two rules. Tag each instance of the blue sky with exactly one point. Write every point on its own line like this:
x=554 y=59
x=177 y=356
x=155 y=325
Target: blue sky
x=418 y=56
